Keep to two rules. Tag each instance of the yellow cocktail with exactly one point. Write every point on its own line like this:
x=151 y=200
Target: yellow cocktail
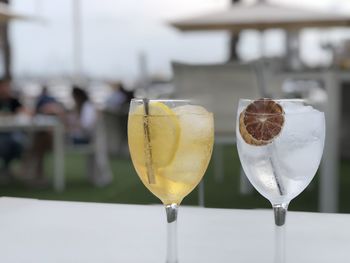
x=170 y=144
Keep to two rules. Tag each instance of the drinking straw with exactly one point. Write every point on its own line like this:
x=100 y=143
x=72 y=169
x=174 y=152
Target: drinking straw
x=148 y=148
x=275 y=171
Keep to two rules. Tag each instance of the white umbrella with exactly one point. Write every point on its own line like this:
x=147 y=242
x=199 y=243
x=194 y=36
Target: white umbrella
x=6 y=14
x=262 y=16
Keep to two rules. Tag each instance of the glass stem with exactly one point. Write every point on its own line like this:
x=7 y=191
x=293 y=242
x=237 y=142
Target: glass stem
x=280 y=212
x=171 y=215
x=280 y=244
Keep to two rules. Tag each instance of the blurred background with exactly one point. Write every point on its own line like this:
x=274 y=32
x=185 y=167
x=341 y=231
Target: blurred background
x=70 y=67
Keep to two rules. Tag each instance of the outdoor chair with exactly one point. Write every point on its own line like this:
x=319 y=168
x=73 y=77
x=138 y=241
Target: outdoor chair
x=98 y=167
x=115 y=124
x=219 y=87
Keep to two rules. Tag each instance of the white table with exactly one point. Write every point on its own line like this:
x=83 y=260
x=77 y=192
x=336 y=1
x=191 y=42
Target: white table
x=42 y=123
x=34 y=231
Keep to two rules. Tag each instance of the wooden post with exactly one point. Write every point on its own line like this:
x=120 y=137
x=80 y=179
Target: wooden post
x=77 y=40
x=5 y=45
x=234 y=39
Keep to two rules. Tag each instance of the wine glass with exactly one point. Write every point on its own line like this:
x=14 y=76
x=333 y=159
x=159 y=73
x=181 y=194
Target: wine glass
x=170 y=144
x=280 y=145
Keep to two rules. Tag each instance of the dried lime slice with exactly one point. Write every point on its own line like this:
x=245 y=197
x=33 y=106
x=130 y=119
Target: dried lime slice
x=261 y=121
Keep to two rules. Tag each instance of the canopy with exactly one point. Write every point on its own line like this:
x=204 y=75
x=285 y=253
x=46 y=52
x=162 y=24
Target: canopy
x=7 y=14
x=262 y=16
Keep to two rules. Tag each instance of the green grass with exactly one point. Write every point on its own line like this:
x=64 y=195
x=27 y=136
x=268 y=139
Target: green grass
x=127 y=188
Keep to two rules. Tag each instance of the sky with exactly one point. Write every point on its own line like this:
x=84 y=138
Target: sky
x=116 y=32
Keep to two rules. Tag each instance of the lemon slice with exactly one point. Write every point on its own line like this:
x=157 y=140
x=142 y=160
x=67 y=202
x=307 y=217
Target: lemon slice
x=164 y=134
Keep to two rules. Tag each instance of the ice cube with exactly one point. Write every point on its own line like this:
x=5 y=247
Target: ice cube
x=296 y=106
x=300 y=162
x=190 y=109
x=188 y=166
x=195 y=144
x=195 y=121
x=298 y=148
x=302 y=124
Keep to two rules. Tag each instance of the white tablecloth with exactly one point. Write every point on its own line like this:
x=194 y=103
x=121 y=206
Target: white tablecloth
x=34 y=231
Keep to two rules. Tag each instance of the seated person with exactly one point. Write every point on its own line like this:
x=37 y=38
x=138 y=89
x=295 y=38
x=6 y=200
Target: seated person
x=83 y=131
x=10 y=142
x=47 y=104
x=83 y=119
x=120 y=98
x=33 y=167
x=118 y=105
